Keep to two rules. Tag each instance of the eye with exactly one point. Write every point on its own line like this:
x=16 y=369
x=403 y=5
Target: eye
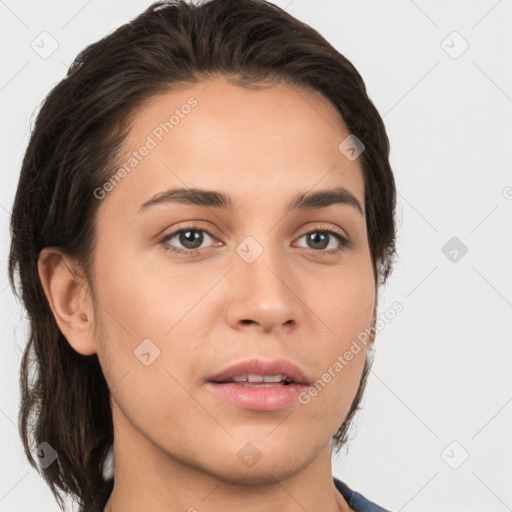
x=191 y=240
x=319 y=240
x=193 y=237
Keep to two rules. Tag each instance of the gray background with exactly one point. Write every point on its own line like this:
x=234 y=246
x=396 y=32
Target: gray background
x=434 y=432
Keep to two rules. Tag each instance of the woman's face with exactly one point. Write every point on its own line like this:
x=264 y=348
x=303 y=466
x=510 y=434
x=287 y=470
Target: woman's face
x=259 y=280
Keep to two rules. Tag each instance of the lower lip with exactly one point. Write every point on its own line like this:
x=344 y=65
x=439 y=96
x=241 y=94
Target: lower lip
x=258 y=398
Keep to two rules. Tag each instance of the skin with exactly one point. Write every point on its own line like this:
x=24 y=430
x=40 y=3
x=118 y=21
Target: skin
x=176 y=443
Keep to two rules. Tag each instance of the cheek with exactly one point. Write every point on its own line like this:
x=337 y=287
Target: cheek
x=344 y=304
x=343 y=299
x=151 y=337
x=143 y=299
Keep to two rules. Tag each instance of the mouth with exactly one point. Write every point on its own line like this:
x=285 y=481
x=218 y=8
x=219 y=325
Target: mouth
x=260 y=385
x=259 y=371
x=253 y=380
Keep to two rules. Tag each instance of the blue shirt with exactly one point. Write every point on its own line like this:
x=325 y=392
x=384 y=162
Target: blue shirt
x=355 y=500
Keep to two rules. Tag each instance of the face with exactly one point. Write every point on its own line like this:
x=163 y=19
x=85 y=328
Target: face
x=185 y=289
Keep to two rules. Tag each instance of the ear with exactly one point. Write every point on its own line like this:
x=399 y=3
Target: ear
x=69 y=298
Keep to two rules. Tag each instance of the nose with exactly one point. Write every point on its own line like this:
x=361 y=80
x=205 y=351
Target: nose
x=264 y=294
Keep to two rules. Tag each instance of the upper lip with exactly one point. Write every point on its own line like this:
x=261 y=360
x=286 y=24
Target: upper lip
x=262 y=367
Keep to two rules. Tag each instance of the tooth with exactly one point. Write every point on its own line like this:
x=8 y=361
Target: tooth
x=273 y=378
x=255 y=378
x=259 y=379
x=240 y=378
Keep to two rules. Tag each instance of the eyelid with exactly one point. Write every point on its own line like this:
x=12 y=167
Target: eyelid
x=323 y=226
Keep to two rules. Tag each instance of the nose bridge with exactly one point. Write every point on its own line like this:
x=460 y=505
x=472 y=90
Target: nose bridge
x=262 y=285
x=258 y=263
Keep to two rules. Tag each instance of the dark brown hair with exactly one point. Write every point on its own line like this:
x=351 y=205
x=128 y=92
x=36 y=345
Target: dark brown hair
x=73 y=149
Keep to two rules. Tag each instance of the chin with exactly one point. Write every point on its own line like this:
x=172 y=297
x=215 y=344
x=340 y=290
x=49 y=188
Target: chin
x=262 y=473
x=274 y=461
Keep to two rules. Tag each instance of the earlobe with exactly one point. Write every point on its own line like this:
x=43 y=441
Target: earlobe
x=69 y=299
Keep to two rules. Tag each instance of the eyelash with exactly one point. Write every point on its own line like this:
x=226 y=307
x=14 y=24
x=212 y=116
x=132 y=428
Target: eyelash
x=344 y=242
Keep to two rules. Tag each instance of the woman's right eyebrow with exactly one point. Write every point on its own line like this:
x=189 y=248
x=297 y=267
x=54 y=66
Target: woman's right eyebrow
x=215 y=199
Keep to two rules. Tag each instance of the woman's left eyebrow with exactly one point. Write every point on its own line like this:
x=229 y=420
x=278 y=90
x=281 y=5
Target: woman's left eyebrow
x=215 y=199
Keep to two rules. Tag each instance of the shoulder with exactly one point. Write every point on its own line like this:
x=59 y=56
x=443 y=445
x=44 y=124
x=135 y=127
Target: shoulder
x=102 y=497
x=355 y=500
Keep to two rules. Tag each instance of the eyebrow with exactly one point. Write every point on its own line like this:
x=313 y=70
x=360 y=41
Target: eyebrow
x=214 y=199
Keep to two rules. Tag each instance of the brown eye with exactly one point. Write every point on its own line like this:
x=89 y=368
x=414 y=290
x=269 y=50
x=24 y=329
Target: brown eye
x=320 y=240
x=190 y=239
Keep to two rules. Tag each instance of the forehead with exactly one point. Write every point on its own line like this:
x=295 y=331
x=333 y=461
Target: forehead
x=252 y=143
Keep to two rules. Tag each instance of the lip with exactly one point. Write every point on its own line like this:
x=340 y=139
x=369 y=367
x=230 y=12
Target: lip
x=258 y=398
x=262 y=367
x=262 y=397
